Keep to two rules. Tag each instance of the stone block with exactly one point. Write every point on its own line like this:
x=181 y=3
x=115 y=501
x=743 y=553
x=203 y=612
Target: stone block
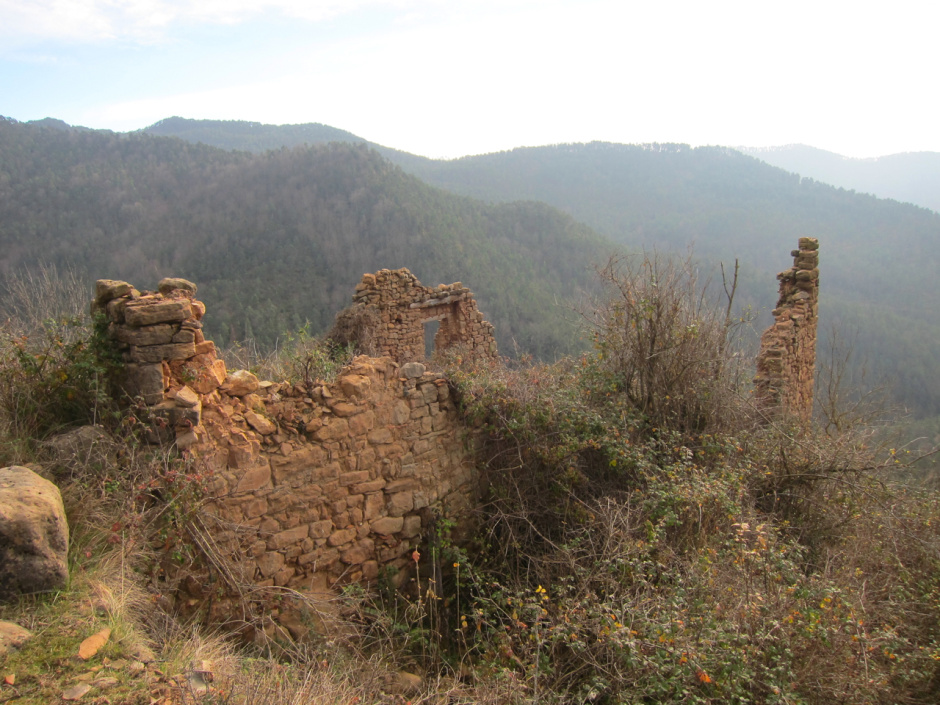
x=168 y=285
x=368 y=487
x=400 y=504
x=283 y=576
x=146 y=312
x=360 y=553
x=261 y=424
x=175 y=413
x=185 y=335
x=402 y=485
x=374 y=505
x=341 y=537
x=387 y=525
x=428 y=392
x=208 y=377
x=255 y=508
x=334 y=430
x=255 y=478
x=304 y=462
x=401 y=413
x=160 y=334
x=411 y=526
x=355 y=385
x=158 y=353
x=361 y=424
x=269 y=564
x=370 y=570
x=352 y=478
x=379 y=436
x=345 y=409
x=144 y=381
x=321 y=529
x=291 y=536
x=412 y=370
x=108 y=289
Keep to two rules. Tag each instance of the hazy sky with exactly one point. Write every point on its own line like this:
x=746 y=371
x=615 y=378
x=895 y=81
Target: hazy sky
x=448 y=78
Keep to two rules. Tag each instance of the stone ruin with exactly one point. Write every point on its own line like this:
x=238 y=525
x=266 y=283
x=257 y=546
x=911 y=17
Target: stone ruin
x=310 y=487
x=786 y=364
x=306 y=487
x=391 y=309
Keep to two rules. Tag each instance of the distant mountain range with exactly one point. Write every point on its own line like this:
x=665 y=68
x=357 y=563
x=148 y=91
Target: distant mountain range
x=912 y=177
x=280 y=232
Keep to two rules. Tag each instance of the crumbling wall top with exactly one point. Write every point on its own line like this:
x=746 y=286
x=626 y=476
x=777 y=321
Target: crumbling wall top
x=391 y=307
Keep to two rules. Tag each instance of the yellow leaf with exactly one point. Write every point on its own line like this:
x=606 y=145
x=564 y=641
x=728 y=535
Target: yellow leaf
x=93 y=644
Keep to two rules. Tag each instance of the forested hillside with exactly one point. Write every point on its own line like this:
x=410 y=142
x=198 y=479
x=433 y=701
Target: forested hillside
x=281 y=238
x=878 y=257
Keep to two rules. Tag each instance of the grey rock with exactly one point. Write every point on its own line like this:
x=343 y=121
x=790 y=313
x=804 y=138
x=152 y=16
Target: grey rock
x=34 y=534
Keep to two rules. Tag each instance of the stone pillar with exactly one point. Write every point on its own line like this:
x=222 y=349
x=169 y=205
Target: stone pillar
x=786 y=364
x=168 y=362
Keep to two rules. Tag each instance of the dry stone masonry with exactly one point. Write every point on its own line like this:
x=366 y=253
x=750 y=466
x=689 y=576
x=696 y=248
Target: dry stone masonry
x=786 y=363
x=306 y=486
x=168 y=362
x=391 y=307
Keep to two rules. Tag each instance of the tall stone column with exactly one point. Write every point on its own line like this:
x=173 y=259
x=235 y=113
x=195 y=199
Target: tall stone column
x=786 y=364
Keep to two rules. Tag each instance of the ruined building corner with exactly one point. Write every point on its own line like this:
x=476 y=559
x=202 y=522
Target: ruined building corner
x=391 y=309
x=786 y=363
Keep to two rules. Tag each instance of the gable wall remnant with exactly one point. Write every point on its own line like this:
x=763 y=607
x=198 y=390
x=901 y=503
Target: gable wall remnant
x=390 y=309
x=786 y=364
x=305 y=487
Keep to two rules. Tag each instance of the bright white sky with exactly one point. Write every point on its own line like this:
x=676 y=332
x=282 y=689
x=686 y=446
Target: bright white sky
x=444 y=78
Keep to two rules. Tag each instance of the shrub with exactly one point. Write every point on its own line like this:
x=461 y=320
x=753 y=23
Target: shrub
x=55 y=366
x=666 y=345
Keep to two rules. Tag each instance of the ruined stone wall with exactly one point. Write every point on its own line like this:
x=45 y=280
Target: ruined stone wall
x=786 y=364
x=390 y=309
x=306 y=487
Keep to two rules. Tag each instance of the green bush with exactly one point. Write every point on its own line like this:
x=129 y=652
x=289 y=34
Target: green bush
x=56 y=376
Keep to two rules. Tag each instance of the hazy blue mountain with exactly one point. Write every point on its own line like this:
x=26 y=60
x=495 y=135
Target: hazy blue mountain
x=248 y=136
x=910 y=177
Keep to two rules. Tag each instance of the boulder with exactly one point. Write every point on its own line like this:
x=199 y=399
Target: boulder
x=34 y=534
x=84 y=448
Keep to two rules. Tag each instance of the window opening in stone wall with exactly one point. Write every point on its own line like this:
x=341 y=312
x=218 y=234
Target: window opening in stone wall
x=430 y=332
